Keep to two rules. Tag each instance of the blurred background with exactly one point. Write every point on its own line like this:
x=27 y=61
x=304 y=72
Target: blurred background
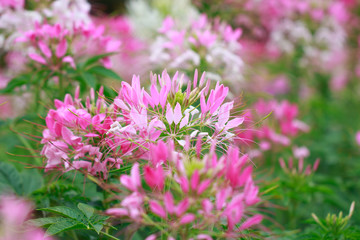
x=293 y=65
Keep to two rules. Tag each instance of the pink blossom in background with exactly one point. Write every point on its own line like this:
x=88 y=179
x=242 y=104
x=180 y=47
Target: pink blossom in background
x=280 y=127
x=339 y=81
x=132 y=58
x=358 y=137
x=14 y=212
x=301 y=152
x=12 y=3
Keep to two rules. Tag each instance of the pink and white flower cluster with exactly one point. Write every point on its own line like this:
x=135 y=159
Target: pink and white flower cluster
x=316 y=29
x=213 y=47
x=183 y=191
x=100 y=135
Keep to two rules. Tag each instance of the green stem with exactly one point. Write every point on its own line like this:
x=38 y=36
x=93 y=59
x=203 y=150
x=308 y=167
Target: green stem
x=37 y=99
x=61 y=85
x=74 y=235
x=109 y=236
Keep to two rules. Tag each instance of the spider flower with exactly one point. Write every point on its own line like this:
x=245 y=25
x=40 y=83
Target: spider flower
x=174 y=109
x=101 y=135
x=187 y=192
x=74 y=136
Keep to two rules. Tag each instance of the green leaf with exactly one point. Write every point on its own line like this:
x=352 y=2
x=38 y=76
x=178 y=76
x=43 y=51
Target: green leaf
x=10 y=177
x=100 y=70
x=97 y=222
x=97 y=227
x=99 y=218
x=64 y=225
x=97 y=58
x=31 y=181
x=86 y=209
x=44 y=221
x=89 y=79
x=68 y=212
x=16 y=82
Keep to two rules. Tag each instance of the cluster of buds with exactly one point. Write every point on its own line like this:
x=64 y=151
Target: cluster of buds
x=100 y=135
x=186 y=194
x=300 y=170
x=335 y=225
x=214 y=47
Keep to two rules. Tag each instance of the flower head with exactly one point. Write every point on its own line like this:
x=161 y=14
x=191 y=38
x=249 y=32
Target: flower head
x=199 y=192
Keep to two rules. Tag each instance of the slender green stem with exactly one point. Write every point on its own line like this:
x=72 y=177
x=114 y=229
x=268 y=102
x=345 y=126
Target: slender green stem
x=74 y=235
x=109 y=236
x=61 y=85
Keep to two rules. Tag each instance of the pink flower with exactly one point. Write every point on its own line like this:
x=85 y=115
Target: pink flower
x=156 y=208
x=158 y=153
x=187 y=218
x=133 y=181
x=61 y=48
x=251 y=221
x=154 y=177
x=37 y=58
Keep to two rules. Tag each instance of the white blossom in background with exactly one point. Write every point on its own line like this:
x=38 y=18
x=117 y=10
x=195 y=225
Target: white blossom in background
x=13 y=22
x=203 y=45
x=323 y=39
x=69 y=13
x=146 y=17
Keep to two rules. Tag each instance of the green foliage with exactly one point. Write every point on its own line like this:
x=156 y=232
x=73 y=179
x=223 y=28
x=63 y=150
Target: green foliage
x=82 y=217
x=16 y=82
x=22 y=183
x=105 y=72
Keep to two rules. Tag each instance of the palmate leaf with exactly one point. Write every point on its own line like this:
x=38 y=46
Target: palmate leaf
x=82 y=217
x=72 y=213
x=64 y=225
x=44 y=221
